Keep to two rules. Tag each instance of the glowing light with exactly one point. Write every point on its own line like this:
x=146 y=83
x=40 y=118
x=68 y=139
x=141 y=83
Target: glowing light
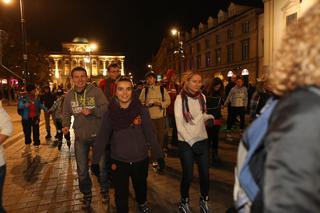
x=7 y=1
x=245 y=72
x=93 y=46
x=87 y=59
x=174 y=31
x=230 y=74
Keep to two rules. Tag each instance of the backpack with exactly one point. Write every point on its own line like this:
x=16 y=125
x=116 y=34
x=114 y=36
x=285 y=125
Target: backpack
x=161 y=90
x=249 y=172
x=20 y=111
x=250 y=162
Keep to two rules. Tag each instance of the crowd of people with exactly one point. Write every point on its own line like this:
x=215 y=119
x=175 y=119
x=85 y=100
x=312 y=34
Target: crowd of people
x=127 y=128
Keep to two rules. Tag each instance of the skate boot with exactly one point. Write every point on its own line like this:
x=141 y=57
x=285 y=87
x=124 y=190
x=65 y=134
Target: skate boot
x=87 y=199
x=143 y=208
x=204 y=208
x=184 y=205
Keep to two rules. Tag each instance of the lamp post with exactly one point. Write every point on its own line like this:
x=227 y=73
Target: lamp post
x=87 y=59
x=23 y=39
x=179 y=51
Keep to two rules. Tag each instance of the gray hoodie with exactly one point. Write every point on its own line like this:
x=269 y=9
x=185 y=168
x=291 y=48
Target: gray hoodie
x=85 y=127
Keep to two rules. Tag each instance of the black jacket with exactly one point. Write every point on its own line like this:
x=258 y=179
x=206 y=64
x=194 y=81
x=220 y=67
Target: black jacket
x=292 y=168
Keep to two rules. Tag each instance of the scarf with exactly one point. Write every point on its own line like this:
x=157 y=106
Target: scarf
x=185 y=106
x=123 y=118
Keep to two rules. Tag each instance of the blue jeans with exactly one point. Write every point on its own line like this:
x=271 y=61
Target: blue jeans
x=82 y=149
x=2 y=176
x=198 y=153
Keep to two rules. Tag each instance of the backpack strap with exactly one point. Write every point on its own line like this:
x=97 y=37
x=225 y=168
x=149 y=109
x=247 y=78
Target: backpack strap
x=146 y=93
x=162 y=92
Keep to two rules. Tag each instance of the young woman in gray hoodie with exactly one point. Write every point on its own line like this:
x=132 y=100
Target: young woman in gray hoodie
x=128 y=128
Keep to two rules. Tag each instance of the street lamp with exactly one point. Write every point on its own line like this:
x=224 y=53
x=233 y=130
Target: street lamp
x=91 y=47
x=245 y=76
x=23 y=38
x=179 y=50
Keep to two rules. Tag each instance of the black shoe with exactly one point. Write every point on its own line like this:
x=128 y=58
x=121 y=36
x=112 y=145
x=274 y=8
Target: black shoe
x=55 y=142
x=69 y=144
x=59 y=145
x=104 y=194
x=143 y=208
x=87 y=199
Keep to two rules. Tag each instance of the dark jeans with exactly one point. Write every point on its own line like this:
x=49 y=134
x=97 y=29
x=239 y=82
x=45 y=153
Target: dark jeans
x=198 y=153
x=59 y=131
x=172 y=122
x=2 y=176
x=138 y=172
x=31 y=123
x=234 y=112
x=82 y=149
x=213 y=137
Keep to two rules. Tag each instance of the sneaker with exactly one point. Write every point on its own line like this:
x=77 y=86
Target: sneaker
x=143 y=208
x=184 y=205
x=87 y=199
x=204 y=208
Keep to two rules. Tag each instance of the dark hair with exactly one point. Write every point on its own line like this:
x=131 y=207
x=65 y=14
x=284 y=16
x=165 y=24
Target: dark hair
x=112 y=65
x=209 y=88
x=124 y=78
x=78 y=69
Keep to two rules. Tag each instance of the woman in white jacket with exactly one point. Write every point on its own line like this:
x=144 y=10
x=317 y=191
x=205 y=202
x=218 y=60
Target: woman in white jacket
x=190 y=114
x=5 y=132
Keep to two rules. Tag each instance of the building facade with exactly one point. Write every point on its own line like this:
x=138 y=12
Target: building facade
x=231 y=42
x=279 y=14
x=81 y=53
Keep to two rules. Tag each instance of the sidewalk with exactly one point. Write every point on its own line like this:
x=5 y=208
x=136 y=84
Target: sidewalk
x=49 y=183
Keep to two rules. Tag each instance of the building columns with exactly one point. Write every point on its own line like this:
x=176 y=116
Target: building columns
x=122 y=67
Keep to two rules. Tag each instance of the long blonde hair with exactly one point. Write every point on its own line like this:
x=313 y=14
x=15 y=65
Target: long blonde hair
x=297 y=62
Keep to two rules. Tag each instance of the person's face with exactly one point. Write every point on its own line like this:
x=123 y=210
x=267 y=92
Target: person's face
x=239 y=82
x=194 y=84
x=114 y=72
x=151 y=80
x=217 y=87
x=124 y=92
x=79 y=78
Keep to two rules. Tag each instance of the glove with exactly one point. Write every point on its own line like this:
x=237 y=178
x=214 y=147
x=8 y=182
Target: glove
x=161 y=164
x=95 y=169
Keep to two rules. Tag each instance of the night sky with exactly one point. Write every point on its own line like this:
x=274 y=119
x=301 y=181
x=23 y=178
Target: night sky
x=134 y=28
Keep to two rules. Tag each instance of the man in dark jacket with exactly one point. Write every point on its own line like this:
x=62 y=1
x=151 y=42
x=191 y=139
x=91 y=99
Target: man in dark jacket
x=47 y=99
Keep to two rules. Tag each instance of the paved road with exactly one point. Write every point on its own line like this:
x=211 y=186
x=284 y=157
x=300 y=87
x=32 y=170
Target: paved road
x=48 y=183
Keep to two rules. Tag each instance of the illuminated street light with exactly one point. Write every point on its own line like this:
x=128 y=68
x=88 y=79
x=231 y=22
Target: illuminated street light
x=7 y=1
x=174 y=31
x=179 y=50
x=23 y=38
x=230 y=74
x=93 y=46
